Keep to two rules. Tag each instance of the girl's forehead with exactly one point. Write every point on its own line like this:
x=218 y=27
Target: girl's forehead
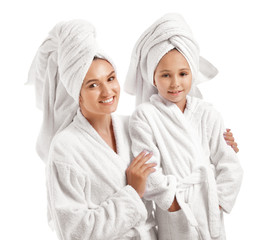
x=173 y=59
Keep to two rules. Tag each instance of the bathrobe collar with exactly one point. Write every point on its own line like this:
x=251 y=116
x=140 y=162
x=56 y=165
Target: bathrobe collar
x=81 y=122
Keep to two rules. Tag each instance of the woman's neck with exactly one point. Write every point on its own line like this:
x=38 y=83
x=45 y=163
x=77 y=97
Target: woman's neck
x=103 y=126
x=101 y=123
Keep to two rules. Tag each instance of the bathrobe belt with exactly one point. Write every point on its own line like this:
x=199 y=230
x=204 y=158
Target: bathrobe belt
x=200 y=175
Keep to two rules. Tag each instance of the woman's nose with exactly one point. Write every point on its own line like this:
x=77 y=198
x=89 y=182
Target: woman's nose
x=106 y=90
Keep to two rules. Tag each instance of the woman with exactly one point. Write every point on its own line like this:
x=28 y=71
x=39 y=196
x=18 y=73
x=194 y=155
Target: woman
x=86 y=147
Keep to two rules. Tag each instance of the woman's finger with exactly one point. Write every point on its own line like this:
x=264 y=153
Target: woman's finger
x=143 y=160
x=228 y=134
x=235 y=148
x=138 y=158
x=229 y=138
x=148 y=171
x=147 y=165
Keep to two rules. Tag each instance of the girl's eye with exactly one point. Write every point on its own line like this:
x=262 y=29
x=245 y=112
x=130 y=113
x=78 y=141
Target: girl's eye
x=183 y=74
x=165 y=75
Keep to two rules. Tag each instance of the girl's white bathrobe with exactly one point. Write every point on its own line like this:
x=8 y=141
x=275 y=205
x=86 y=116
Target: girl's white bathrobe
x=195 y=165
x=88 y=195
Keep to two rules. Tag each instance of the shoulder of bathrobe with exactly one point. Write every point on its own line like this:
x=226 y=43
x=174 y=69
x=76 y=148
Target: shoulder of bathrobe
x=204 y=111
x=64 y=144
x=142 y=111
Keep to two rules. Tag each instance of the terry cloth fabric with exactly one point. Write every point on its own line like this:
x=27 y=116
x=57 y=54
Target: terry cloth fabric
x=57 y=72
x=87 y=191
x=194 y=164
x=169 y=32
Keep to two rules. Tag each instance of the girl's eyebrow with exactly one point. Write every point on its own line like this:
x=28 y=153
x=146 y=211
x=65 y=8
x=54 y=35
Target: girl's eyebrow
x=165 y=70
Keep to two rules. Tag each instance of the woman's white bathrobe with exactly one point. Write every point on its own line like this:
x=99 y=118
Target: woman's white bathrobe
x=87 y=192
x=195 y=165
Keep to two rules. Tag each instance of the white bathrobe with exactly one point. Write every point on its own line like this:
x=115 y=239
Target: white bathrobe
x=88 y=195
x=195 y=165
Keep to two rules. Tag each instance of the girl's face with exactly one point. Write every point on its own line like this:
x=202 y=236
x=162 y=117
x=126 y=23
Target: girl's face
x=173 y=78
x=100 y=90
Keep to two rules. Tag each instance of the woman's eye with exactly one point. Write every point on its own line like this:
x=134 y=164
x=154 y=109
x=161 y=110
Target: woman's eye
x=111 y=79
x=93 y=85
x=165 y=75
x=183 y=74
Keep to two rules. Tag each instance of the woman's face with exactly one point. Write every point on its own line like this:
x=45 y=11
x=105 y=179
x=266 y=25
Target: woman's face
x=100 y=90
x=173 y=77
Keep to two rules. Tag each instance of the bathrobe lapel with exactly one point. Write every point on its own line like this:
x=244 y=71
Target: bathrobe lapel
x=105 y=161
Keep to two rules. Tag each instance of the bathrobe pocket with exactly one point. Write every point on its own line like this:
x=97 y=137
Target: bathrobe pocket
x=174 y=225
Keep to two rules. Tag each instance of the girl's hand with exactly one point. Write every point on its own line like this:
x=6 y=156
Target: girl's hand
x=230 y=140
x=175 y=206
x=138 y=171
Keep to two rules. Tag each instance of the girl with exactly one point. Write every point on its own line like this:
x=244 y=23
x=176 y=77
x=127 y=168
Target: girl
x=198 y=175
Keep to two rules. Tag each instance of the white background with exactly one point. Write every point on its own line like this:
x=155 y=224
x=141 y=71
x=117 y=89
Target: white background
x=240 y=37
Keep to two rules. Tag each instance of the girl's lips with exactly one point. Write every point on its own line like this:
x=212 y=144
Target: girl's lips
x=174 y=93
x=108 y=101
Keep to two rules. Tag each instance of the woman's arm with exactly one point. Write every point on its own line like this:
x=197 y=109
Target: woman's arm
x=76 y=217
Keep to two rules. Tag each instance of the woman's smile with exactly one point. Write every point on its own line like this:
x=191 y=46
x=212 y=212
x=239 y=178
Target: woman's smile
x=108 y=101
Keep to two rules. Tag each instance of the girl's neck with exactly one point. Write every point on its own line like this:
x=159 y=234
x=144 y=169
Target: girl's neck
x=182 y=105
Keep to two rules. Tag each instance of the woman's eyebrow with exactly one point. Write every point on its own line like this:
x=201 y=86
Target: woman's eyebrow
x=111 y=73
x=91 y=80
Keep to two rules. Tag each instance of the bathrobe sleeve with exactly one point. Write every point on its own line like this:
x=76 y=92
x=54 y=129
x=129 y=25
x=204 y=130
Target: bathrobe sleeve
x=227 y=167
x=159 y=187
x=74 y=214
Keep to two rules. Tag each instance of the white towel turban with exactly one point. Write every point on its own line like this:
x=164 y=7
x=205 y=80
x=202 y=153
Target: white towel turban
x=58 y=71
x=169 y=32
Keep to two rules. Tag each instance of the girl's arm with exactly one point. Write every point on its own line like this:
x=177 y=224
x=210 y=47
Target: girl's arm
x=228 y=170
x=159 y=187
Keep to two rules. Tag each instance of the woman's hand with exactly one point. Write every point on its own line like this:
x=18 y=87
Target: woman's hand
x=138 y=171
x=230 y=140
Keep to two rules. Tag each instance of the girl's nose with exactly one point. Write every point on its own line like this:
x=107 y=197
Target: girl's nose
x=174 y=82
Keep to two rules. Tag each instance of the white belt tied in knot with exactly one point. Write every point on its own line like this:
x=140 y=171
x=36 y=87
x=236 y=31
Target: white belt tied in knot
x=184 y=190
